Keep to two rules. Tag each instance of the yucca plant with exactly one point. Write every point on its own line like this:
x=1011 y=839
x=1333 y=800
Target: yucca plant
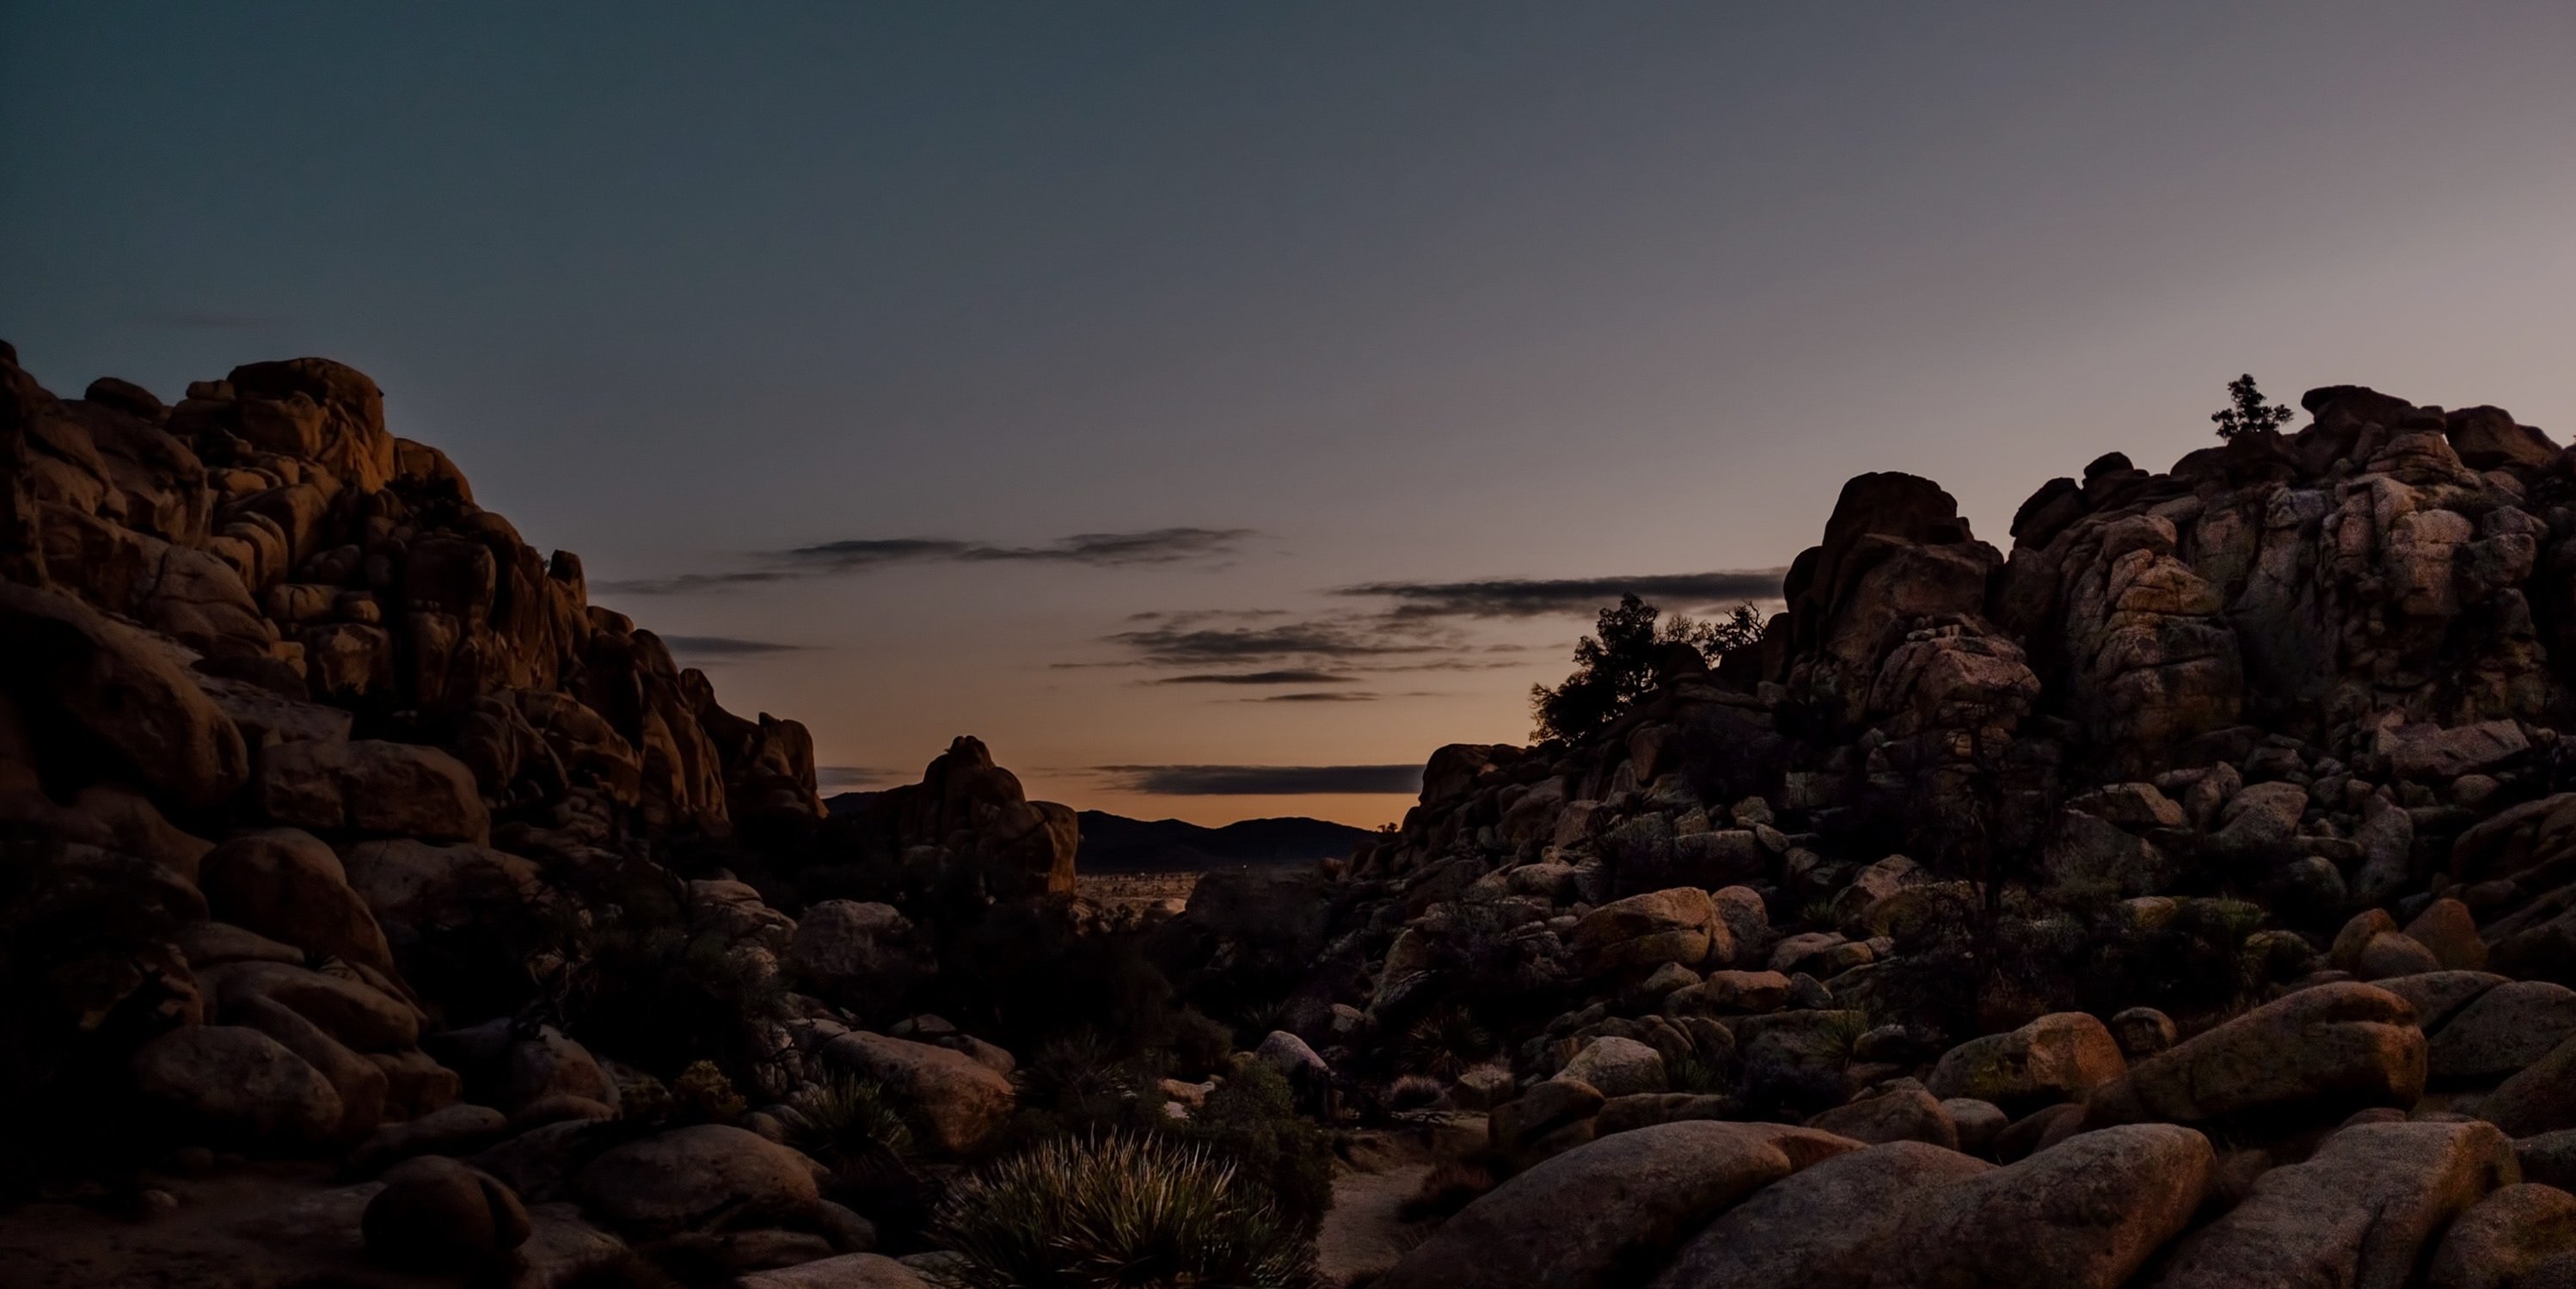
x=852 y=1119
x=1444 y=1043
x=1118 y=1212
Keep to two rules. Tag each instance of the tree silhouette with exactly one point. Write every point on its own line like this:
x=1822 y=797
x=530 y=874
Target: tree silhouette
x=1616 y=665
x=2246 y=412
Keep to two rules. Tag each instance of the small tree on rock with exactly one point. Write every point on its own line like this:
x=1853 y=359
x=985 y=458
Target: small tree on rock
x=2246 y=412
x=1616 y=665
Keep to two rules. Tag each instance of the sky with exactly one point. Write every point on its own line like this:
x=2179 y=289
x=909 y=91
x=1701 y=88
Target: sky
x=1217 y=407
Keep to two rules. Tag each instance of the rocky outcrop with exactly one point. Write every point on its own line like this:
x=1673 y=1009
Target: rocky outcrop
x=339 y=828
x=2230 y=800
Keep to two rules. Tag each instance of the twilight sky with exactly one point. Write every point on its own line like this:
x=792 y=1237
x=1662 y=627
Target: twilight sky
x=1185 y=397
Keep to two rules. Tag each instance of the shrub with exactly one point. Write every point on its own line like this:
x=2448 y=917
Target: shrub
x=1616 y=666
x=1445 y=1043
x=1414 y=1092
x=1251 y=1120
x=1119 y=1210
x=852 y=1119
x=702 y=1094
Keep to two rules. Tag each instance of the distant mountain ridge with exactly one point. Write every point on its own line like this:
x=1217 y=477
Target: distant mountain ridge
x=1118 y=844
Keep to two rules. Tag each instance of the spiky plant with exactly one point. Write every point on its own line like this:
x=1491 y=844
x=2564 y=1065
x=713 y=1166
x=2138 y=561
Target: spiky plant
x=852 y=1119
x=1445 y=1043
x=1118 y=1212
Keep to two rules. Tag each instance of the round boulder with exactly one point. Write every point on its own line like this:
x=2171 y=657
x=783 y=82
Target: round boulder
x=680 y=1177
x=238 y=1085
x=436 y=1214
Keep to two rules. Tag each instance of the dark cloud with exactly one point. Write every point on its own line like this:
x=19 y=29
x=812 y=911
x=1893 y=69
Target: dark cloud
x=725 y=646
x=866 y=552
x=858 y=554
x=1265 y=780
x=1180 y=642
x=1153 y=546
x=1100 y=550
x=1318 y=696
x=1540 y=597
x=687 y=583
x=850 y=778
x=1277 y=676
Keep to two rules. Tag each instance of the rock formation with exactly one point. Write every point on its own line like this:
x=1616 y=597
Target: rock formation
x=2204 y=862
x=323 y=795
x=2186 y=897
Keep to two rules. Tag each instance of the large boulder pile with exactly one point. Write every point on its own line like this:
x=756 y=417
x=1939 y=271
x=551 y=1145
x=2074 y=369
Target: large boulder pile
x=329 y=805
x=2215 y=840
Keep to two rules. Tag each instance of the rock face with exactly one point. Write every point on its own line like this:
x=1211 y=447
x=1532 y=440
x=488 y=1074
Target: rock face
x=2359 y=1213
x=1595 y=1215
x=337 y=824
x=672 y=1180
x=2230 y=799
x=338 y=827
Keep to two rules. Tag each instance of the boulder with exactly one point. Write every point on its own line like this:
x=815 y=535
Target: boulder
x=1598 y=1214
x=846 y=944
x=1675 y=925
x=1978 y=1123
x=436 y=1214
x=2089 y=1212
x=359 y=1015
x=413 y=887
x=286 y=884
x=1618 y=1067
x=360 y=1085
x=2446 y=928
x=372 y=786
x=2503 y=1237
x=1909 y=1115
x=1548 y=1105
x=238 y=1086
x=957 y=1100
x=2506 y=1028
x=2542 y=1098
x=450 y=1130
x=2058 y=1057
x=848 y=1271
x=2548 y=1158
x=2429 y=753
x=2317 y=1054
x=2357 y=1213
x=2436 y=996
x=679 y=1178
x=1726 y=992
x=1836 y=1223
x=124 y=697
x=2143 y=1031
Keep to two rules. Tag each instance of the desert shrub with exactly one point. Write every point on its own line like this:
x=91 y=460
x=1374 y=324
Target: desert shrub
x=1119 y=1210
x=851 y=1119
x=702 y=1094
x=649 y=988
x=1414 y=1092
x=1694 y=1073
x=2196 y=962
x=1445 y=1043
x=1251 y=1120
